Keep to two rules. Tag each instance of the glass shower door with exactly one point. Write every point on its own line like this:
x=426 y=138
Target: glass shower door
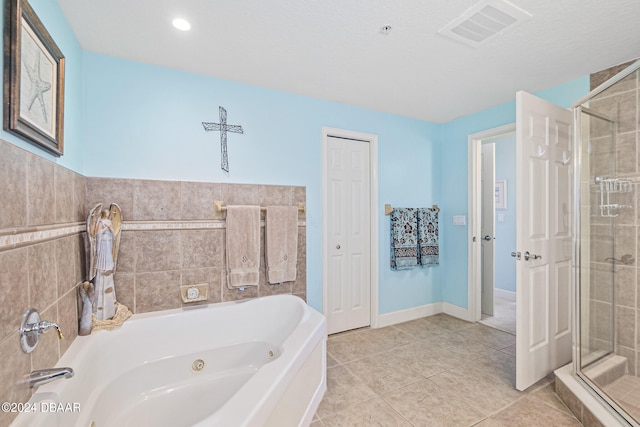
x=599 y=209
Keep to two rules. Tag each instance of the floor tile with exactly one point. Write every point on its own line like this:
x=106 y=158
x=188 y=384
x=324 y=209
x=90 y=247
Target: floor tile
x=386 y=338
x=530 y=412
x=426 y=404
x=348 y=347
x=375 y=412
x=421 y=328
x=343 y=391
x=382 y=373
x=449 y=322
x=435 y=371
x=490 y=337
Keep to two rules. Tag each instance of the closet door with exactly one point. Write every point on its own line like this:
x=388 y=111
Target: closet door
x=347 y=234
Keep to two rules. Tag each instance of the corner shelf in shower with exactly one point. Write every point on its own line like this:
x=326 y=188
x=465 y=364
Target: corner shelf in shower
x=607 y=187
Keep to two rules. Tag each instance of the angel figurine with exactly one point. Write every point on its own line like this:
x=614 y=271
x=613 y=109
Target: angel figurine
x=103 y=229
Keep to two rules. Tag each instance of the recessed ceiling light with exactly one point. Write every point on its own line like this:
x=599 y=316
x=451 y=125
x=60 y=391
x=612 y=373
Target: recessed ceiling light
x=181 y=24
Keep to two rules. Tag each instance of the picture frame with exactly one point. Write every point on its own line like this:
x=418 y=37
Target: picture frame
x=33 y=79
x=501 y=194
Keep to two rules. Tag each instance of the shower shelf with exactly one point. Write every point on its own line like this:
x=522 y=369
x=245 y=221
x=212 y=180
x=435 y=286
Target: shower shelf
x=608 y=186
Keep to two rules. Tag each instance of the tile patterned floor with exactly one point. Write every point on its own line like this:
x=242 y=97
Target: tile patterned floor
x=504 y=315
x=435 y=371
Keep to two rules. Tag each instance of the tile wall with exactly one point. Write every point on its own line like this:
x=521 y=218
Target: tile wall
x=171 y=236
x=41 y=261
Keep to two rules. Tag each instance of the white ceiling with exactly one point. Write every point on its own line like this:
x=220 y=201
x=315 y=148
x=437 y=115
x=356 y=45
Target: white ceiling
x=335 y=49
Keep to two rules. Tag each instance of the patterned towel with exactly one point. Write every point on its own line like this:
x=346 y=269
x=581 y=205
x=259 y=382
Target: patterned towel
x=428 y=236
x=404 y=238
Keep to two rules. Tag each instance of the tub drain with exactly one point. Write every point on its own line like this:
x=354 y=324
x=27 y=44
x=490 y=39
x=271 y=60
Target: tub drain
x=197 y=365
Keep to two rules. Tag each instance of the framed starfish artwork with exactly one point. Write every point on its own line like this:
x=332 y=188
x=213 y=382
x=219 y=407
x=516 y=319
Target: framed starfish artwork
x=33 y=79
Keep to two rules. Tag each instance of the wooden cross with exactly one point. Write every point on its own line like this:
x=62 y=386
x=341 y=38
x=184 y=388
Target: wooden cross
x=223 y=127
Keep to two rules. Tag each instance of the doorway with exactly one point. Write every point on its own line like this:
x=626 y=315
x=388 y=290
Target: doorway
x=493 y=225
x=350 y=223
x=498 y=232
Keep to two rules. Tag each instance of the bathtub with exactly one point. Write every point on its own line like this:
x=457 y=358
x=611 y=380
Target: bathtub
x=259 y=362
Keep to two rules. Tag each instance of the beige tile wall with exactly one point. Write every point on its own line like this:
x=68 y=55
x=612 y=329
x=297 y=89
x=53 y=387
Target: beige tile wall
x=40 y=200
x=171 y=236
x=186 y=245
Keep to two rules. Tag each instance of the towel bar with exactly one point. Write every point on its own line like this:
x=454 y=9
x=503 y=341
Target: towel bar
x=218 y=207
x=388 y=209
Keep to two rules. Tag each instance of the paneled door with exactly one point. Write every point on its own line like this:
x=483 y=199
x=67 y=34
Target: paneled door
x=544 y=202
x=347 y=234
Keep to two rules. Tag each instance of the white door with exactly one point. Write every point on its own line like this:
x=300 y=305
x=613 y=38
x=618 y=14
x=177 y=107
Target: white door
x=488 y=225
x=348 y=234
x=544 y=164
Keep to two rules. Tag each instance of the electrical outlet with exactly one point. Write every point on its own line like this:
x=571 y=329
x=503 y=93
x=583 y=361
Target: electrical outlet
x=194 y=293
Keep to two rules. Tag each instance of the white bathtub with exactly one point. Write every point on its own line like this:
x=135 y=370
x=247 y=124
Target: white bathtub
x=259 y=362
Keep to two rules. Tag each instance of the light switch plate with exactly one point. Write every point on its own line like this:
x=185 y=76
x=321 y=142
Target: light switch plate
x=459 y=220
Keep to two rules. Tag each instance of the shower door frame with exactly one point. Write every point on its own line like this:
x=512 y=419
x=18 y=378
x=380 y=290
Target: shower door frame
x=578 y=111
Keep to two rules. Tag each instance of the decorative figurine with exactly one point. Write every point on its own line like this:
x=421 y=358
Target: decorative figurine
x=103 y=229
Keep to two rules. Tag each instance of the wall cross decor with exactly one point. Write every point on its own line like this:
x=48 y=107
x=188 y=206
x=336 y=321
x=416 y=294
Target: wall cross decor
x=223 y=127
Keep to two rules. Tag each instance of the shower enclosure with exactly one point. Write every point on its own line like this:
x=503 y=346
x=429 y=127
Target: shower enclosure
x=608 y=299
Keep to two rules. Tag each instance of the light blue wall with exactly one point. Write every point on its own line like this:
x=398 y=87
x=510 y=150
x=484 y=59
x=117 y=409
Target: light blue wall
x=144 y=121
x=454 y=179
x=56 y=24
x=132 y=120
x=505 y=231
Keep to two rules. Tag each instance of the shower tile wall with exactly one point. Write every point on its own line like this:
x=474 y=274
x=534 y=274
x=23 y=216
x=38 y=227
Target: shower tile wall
x=621 y=103
x=40 y=200
x=164 y=244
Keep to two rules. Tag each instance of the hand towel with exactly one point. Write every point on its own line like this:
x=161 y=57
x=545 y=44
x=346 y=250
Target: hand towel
x=281 y=244
x=243 y=246
x=428 y=236
x=404 y=238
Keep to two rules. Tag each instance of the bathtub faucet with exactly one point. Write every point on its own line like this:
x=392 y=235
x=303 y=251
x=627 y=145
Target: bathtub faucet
x=41 y=327
x=44 y=376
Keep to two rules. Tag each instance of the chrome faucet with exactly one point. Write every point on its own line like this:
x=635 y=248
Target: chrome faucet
x=32 y=327
x=44 y=376
x=41 y=327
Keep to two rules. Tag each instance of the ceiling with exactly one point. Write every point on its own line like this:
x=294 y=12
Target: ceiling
x=336 y=49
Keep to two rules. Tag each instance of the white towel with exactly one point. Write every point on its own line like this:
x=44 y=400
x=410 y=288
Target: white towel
x=281 y=253
x=243 y=246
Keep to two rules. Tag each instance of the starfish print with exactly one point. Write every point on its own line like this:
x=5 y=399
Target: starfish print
x=38 y=86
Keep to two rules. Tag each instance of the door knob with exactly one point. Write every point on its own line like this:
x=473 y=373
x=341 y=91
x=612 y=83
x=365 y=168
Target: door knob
x=528 y=256
x=337 y=246
x=487 y=238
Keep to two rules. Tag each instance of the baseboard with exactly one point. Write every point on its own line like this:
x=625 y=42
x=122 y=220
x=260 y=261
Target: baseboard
x=501 y=293
x=408 y=314
x=457 y=311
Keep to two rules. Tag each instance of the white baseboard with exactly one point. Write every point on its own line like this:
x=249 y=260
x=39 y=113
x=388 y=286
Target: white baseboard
x=508 y=295
x=408 y=314
x=457 y=311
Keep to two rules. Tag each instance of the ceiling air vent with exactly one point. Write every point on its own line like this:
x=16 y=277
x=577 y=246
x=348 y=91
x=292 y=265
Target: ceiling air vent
x=484 y=21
